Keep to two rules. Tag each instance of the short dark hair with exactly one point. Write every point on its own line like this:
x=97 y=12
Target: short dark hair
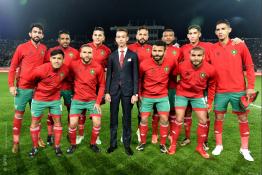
x=198 y=48
x=122 y=29
x=84 y=45
x=169 y=30
x=99 y=29
x=56 y=52
x=194 y=26
x=143 y=27
x=160 y=43
x=37 y=25
x=63 y=31
x=223 y=21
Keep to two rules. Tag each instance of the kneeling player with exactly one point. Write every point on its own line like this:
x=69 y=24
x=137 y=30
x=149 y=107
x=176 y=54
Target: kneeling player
x=88 y=75
x=49 y=78
x=154 y=75
x=195 y=76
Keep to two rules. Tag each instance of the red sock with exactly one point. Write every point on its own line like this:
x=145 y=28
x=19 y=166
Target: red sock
x=244 y=134
x=176 y=132
x=163 y=134
x=81 y=124
x=17 y=124
x=72 y=136
x=58 y=130
x=201 y=134
x=187 y=125
x=50 y=124
x=35 y=136
x=95 y=133
x=208 y=125
x=143 y=132
x=218 y=131
x=155 y=120
x=172 y=119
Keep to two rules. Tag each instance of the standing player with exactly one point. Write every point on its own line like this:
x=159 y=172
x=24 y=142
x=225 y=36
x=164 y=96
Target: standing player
x=100 y=55
x=48 y=78
x=143 y=51
x=67 y=87
x=195 y=76
x=88 y=75
x=153 y=81
x=26 y=57
x=230 y=59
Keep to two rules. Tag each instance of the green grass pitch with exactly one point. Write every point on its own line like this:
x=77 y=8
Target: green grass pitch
x=151 y=161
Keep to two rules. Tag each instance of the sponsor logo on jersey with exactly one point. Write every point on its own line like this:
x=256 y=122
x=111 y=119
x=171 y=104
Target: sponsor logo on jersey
x=234 y=52
x=92 y=71
x=202 y=75
x=102 y=52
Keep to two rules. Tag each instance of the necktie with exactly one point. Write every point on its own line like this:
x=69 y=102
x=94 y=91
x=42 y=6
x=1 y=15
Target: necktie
x=121 y=60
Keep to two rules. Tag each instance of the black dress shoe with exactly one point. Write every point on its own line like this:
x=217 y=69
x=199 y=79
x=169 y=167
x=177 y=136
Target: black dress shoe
x=129 y=151
x=111 y=149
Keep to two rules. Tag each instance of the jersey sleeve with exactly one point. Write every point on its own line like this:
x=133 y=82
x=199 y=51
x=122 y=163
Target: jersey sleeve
x=101 y=82
x=211 y=87
x=15 y=62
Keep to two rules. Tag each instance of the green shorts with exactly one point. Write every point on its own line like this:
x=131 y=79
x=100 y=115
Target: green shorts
x=222 y=100
x=38 y=107
x=198 y=104
x=22 y=98
x=162 y=106
x=67 y=96
x=172 y=97
x=77 y=107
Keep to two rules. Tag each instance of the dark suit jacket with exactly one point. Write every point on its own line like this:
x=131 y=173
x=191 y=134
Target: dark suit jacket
x=125 y=78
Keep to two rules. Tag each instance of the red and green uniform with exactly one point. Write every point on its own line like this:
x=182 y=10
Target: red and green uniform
x=143 y=51
x=47 y=95
x=26 y=57
x=87 y=77
x=229 y=61
x=100 y=54
x=153 y=81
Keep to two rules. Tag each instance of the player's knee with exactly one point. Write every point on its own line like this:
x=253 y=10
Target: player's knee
x=164 y=122
x=242 y=118
x=219 y=116
x=144 y=121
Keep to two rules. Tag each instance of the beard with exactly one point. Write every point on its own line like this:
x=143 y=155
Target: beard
x=157 y=58
x=36 y=39
x=196 y=63
x=142 y=41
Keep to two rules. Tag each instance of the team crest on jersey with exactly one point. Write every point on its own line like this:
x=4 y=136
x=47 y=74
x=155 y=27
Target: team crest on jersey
x=203 y=75
x=102 y=52
x=92 y=71
x=147 y=49
x=42 y=52
x=234 y=52
x=174 y=52
x=166 y=69
x=71 y=54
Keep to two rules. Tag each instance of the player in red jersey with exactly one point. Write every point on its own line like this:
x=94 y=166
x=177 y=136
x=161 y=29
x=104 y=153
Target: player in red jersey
x=143 y=51
x=87 y=75
x=229 y=60
x=195 y=76
x=153 y=81
x=67 y=86
x=100 y=54
x=174 y=54
x=48 y=79
x=26 y=57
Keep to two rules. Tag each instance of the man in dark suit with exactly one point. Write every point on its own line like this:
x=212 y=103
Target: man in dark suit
x=121 y=84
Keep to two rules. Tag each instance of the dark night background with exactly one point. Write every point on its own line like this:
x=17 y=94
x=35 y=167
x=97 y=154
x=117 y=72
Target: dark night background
x=81 y=16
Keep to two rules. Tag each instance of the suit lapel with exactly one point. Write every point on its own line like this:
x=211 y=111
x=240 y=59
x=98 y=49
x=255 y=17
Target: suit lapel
x=126 y=57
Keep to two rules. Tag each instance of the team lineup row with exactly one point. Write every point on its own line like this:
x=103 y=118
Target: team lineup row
x=169 y=80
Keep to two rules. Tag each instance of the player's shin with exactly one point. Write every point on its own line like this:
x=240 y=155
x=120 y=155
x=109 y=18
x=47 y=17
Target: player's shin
x=155 y=120
x=143 y=132
x=50 y=124
x=95 y=134
x=81 y=124
x=201 y=134
x=218 y=128
x=244 y=134
x=17 y=124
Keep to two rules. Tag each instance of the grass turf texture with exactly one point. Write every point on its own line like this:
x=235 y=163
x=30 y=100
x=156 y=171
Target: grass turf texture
x=150 y=161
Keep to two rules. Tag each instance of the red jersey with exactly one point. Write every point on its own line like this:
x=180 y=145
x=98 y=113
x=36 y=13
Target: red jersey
x=86 y=78
x=143 y=51
x=174 y=54
x=153 y=78
x=229 y=61
x=100 y=54
x=187 y=48
x=70 y=54
x=26 y=58
x=193 y=81
x=48 y=81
